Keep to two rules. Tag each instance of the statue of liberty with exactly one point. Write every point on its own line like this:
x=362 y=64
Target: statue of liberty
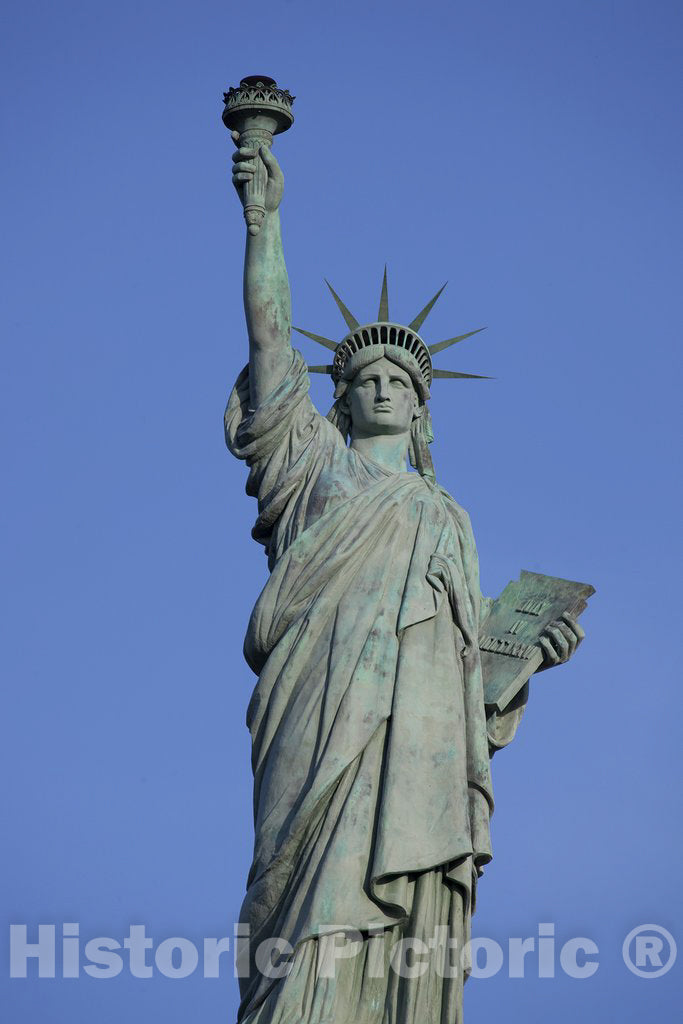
x=371 y=736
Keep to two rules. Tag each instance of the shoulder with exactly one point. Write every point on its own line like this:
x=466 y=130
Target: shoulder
x=284 y=421
x=456 y=508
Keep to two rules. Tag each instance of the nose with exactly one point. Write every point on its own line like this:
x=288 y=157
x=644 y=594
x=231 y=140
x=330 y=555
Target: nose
x=382 y=390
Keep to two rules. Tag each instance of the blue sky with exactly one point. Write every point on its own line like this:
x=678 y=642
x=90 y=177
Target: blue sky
x=530 y=154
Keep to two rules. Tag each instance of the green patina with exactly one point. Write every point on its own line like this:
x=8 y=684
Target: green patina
x=375 y=714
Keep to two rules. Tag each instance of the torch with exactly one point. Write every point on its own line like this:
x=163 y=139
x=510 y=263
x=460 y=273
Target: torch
x=257 y=109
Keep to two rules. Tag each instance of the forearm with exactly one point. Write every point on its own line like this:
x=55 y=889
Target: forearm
x=267 y=307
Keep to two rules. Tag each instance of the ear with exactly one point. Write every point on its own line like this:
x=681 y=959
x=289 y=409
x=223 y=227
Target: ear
x=418 y=407
x=344 y=404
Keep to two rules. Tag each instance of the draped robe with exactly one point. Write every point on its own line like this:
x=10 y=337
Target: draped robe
x=370 y=743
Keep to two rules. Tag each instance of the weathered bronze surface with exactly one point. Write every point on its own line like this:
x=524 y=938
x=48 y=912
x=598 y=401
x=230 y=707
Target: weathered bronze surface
x=385 y=680
x=511 y=639
x=257 y=110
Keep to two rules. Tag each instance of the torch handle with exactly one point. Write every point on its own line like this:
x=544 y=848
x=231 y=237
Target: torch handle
x=254 y=191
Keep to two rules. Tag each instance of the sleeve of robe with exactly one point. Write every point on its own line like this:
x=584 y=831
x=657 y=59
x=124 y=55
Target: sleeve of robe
x=280 y=440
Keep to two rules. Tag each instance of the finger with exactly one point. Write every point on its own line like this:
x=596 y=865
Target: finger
x=235 y=136
x=271 y=163
x=575 y=627
x=244 y=154
x=239 y=178
x=551 y=655
x=244 y=165
x=569 y=635
x=559 y=641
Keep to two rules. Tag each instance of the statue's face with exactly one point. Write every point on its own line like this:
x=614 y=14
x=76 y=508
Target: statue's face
x=381 y=399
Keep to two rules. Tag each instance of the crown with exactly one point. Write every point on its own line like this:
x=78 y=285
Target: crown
x=360 y=345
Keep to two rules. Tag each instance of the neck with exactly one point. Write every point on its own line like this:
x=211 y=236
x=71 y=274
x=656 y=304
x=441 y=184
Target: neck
x=389 y=450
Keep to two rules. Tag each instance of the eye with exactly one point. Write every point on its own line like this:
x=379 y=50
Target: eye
x=396 y=383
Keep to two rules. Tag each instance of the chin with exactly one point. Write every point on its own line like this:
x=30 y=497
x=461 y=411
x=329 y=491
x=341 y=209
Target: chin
x=385 y=423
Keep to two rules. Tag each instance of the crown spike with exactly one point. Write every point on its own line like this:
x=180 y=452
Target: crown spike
x=327 y=342
x=383 y=314
x=452 y=374
x=350 y=319
x=320 y=369
x=441 y=345
x=424 y=313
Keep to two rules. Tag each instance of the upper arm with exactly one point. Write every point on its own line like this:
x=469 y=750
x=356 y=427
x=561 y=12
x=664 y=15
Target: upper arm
x=268 y=365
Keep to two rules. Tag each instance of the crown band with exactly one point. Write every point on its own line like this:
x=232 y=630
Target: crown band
x=403 y=342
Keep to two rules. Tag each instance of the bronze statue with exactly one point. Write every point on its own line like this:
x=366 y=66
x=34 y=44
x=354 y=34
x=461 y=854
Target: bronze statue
x=372 y=735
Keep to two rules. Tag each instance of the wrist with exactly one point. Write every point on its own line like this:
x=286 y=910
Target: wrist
x=269 y=230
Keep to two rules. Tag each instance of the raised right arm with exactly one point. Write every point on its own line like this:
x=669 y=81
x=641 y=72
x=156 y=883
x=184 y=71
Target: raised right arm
x=267 y=303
